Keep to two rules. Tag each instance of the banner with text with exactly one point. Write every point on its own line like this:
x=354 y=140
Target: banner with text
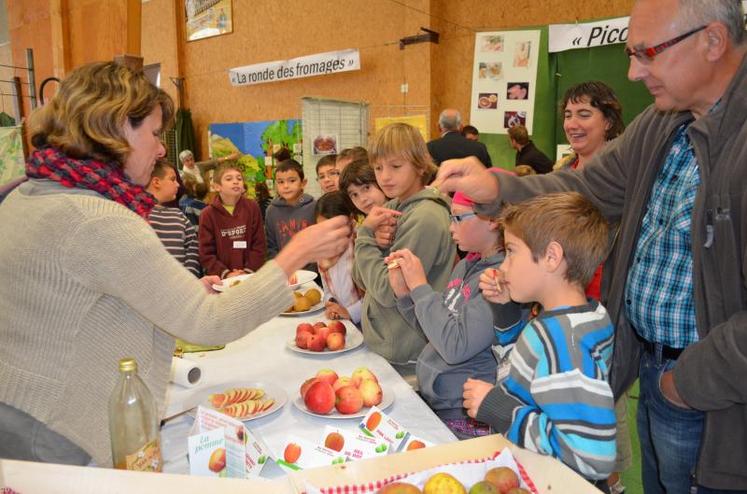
x=330 y=62
x=564 y=37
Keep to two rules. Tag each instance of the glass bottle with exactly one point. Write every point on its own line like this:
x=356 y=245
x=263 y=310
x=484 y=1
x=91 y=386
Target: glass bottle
x=133 y=422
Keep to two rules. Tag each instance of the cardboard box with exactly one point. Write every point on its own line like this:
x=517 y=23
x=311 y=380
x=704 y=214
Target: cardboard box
x=548 y=475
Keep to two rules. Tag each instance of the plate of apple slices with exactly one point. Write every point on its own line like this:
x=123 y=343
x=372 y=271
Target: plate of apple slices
x=246 y=400
x=325 y=337
x=330 y=396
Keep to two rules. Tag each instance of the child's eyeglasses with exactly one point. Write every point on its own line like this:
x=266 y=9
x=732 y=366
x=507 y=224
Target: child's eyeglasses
x=331 y=174
x=458 y=218
x=647 y=55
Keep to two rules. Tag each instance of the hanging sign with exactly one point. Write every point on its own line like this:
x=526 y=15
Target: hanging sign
x=330 y=62
x=588 y=34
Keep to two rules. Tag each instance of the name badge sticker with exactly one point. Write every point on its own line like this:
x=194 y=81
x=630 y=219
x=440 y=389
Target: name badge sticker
x=239 y=244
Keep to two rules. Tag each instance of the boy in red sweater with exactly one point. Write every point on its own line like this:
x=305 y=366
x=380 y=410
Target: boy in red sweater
x=231 y=235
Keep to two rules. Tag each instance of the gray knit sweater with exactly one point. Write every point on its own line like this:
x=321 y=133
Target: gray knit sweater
x=87 y=282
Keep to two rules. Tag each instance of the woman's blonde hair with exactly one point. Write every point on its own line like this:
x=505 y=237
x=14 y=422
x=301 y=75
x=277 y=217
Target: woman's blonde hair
x=85 y=119
x=400 y=140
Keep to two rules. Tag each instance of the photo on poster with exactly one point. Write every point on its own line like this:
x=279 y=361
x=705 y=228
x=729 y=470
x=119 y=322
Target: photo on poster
x=490 y=70
x=517 y=90
x=491 y=43
x=513 y=118
x=522 y=52
x=325 y=144
x=487 y=101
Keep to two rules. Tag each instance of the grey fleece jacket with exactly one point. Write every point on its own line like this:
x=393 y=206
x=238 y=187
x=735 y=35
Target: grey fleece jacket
x=424 y=229
x=283 y=220
x=459 y=326
x=710 y=374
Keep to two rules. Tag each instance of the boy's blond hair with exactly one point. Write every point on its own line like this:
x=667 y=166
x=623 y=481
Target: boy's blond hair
x=223 y=168
x=400 y=140
x=567 y=218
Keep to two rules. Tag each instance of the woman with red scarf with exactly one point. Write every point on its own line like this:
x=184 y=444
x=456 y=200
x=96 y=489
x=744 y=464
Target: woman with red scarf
x=86 y=281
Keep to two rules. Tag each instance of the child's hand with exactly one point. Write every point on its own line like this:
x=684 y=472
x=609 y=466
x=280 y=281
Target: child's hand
x=410 y=266
x=385 y=233
x=397 y=281
x=475 y=391
x=494 y=287
x=333 y=311
x=380 y=216
x=209 y=281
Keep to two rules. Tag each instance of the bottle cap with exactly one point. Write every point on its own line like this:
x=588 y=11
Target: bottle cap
x=127 y=364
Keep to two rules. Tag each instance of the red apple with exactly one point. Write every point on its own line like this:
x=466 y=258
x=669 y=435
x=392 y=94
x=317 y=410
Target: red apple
x=320 y=397
x=327 y=375
x=334 y=441
x=370 y=392
x=348 y=400
x=217 y=461
x=322 y=331
x=336 y=341
x=316 y=343
x=362 y=373
x=302 y=340
x=292 y=453
x=319 y=324
x=337 y=327
x=306 y=385
x=342 y=382
x=304 y=327
x=503 y=478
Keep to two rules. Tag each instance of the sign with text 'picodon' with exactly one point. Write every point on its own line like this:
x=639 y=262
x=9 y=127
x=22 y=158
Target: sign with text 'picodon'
x=330 y=62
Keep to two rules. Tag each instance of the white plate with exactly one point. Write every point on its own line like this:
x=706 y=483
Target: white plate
x=303 y=277
x=353 y=339
x=386 y=402
x=227 y=283
x=271 y=391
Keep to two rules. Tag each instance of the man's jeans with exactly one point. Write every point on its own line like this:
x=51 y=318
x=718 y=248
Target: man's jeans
x=670 y=435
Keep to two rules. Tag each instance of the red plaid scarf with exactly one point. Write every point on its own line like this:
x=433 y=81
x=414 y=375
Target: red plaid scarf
x=107 y=179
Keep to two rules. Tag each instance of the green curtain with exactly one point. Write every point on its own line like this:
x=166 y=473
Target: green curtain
x=185 y=134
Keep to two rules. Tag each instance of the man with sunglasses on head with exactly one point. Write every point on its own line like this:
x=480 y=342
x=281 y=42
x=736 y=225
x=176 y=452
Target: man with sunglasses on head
x=674 y=282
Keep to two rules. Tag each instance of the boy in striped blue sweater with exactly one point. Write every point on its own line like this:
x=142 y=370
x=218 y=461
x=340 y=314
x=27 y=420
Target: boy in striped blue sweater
x=553 y=395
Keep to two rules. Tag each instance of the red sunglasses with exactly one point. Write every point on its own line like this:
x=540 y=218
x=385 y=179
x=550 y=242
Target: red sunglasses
x=648 y=54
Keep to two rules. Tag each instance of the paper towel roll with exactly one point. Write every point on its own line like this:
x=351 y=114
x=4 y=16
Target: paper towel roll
x=185 y=372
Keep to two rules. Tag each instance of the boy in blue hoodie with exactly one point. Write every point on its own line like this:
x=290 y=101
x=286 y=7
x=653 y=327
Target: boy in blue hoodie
x=292 y=210
x=553 y=395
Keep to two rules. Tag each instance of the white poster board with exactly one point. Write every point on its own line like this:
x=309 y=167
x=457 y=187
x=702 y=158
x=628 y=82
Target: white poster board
x=504 y=80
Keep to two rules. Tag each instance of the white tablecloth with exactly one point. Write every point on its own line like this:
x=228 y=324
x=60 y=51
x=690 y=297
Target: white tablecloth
x=263 y=356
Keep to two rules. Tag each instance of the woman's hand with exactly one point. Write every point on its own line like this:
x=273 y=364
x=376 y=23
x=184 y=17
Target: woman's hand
x=324 y=240
x=397 y=281
x=235 y=272
x=475 y=392
x=468 y=176
x=209 y=281
x=410 y=266
x=333 y=310
x=380 y=216
x=493 y=286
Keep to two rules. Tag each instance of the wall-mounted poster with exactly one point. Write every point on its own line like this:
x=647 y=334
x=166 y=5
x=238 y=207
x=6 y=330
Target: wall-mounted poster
x=256 y=141
x=417 y=121
x=504 y=80
x=206 y=18
x=325 y=144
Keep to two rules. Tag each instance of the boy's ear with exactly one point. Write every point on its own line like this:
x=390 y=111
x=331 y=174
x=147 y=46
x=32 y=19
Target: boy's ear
x=553 y=256
x=304 y=181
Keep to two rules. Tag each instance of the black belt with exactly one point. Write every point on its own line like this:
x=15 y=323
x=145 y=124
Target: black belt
x=667 y=352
